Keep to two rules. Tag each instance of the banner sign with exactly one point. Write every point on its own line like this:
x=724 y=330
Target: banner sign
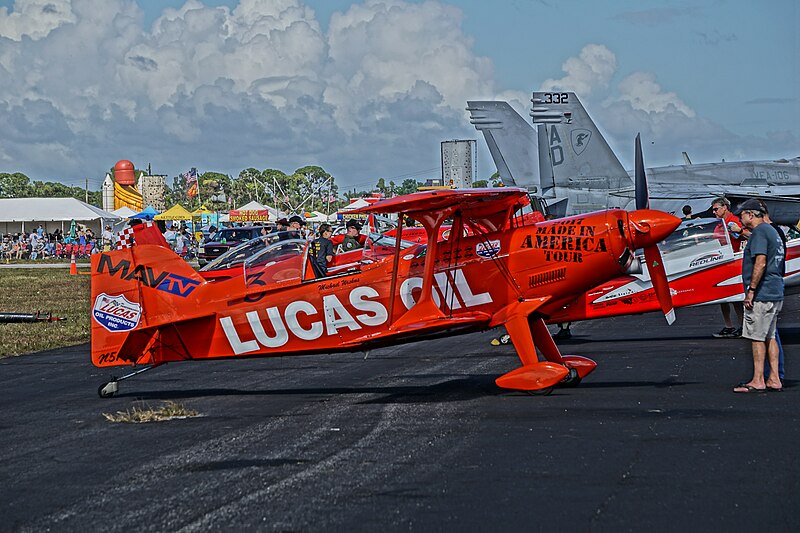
x=249 y=215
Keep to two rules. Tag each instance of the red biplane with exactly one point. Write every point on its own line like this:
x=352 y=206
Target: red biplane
x=151 y=308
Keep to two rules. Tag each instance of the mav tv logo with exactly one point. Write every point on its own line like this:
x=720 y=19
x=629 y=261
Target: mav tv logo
x=162 y=281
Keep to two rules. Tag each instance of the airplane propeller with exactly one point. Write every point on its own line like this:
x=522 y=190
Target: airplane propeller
x=642 y=224
x=640 y=179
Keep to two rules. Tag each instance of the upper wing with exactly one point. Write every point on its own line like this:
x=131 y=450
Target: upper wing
x=489 y=205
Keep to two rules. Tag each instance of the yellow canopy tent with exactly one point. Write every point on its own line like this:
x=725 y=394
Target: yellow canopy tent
x=202 y=210
x=176 y=212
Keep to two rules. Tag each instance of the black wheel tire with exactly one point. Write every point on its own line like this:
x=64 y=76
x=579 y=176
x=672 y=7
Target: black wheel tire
x=541 y=392
x=572 y=379
x=102 y=393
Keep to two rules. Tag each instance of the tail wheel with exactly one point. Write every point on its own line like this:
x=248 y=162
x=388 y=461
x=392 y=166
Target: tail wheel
x=107 y=390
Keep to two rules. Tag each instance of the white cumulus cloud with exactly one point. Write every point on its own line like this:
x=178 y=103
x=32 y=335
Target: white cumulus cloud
x=223 y=89
x=590 y=70
x=34 y=18
x=642 y=92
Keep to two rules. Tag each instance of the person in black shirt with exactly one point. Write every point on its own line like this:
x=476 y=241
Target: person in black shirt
x=322 y=251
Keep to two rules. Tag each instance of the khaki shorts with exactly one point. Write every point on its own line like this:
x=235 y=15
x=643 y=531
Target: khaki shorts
x=760 y=321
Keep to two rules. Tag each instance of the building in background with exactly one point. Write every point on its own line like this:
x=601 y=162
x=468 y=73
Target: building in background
x=152 y=188
x=459 y=163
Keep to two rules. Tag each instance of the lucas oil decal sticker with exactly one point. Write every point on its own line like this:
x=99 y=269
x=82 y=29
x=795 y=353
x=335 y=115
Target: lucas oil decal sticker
x=116 y=313
x=487 y=249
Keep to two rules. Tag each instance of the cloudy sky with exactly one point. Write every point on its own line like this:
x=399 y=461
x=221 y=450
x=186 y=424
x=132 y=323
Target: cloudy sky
x=369 y=89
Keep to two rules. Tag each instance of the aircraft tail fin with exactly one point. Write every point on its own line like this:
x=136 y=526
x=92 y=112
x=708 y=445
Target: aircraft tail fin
x=141 y=297
x=511 y=141
x=579 y=154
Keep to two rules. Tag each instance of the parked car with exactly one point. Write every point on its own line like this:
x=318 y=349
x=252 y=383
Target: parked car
x=227 y=238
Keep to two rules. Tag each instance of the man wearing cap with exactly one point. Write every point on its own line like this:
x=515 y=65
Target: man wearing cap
x=721 y=207
x=296 y=224
x=762 y=265
x=352 y=239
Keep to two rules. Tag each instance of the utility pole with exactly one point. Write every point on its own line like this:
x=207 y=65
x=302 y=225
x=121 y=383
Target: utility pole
x=87 y=190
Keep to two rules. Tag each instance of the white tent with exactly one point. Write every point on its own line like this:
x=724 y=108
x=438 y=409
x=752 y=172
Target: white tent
x=25 y=214
x=355 y=204
x=252 y=206
x=124 y=212
x=318 y=216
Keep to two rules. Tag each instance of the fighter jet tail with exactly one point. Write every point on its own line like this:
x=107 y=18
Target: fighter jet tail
x=580 y=156
x=511 y=141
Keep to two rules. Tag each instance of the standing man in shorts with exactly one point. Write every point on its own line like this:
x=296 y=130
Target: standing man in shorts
x=762 y=265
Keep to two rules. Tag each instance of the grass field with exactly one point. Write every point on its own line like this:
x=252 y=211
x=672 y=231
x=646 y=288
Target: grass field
x=50 y=290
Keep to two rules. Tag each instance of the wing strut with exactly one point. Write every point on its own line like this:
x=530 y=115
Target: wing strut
x=398 y=239
x=425 y=309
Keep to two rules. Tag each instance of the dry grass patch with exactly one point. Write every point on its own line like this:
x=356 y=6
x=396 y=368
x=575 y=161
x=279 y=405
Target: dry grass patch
x=50 y=290
x=139 y=415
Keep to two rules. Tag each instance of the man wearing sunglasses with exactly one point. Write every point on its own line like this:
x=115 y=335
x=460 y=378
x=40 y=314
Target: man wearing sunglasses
x=721 y=208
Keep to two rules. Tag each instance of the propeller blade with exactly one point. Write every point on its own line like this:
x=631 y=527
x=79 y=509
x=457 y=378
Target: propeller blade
x=647 y=228
x=640 y=178
x=655 y=266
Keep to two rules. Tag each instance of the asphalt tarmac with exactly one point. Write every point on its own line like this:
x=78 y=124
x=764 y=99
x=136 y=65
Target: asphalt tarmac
x=415 y=437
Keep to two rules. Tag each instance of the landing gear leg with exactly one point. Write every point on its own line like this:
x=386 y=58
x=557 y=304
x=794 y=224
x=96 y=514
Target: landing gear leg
x=110 y=388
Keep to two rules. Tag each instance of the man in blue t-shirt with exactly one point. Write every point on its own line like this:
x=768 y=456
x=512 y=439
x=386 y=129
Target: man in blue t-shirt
x=762 y=275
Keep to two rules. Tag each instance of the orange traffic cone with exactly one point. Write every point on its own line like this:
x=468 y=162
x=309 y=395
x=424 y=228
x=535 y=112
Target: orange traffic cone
x=73 y=266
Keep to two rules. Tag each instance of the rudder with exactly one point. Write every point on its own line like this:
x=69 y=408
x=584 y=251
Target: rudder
x=511 y=142
x=579 y=153
x=135 y=293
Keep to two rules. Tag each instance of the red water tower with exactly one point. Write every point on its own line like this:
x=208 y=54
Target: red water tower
x=123 y=173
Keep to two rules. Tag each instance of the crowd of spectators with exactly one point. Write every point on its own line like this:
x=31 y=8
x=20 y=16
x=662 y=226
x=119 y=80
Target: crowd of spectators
x=181 y=240
x=40 y=244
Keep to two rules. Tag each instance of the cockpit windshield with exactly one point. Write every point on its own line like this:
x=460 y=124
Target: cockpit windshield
x=276 y=252
x=247 y=250
x=695 y=236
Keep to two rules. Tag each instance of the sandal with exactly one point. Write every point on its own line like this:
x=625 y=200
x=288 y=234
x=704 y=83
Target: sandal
x=745 y=388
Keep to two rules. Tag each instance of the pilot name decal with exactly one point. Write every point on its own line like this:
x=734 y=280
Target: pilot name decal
x=116 y=313
x=565 y=241
x=162 y=281
x=363 y=311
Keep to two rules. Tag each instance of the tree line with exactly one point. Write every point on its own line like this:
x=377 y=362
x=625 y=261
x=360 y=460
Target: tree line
x=309 y=188
x=18 y=185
